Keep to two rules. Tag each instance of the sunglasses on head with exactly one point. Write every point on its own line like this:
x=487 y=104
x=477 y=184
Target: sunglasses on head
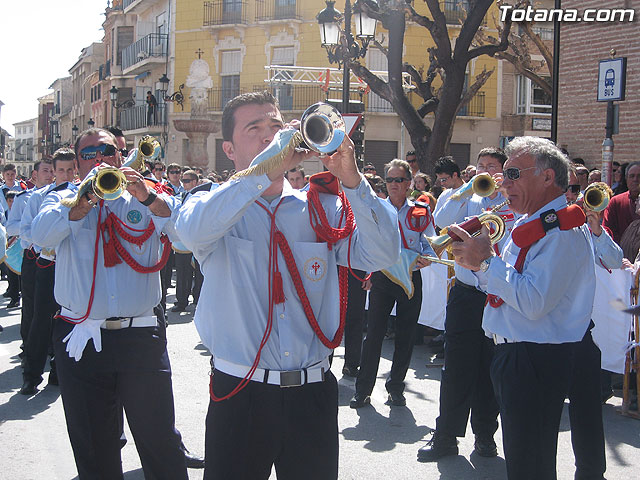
x=396 y=179
x=513 y=173
x=575 y=189
x=106 y=150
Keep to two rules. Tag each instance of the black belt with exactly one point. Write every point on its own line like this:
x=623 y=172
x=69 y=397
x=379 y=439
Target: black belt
x=464 y=285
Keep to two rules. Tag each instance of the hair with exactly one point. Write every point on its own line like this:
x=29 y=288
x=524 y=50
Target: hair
x=174 y=165
x=36 y=166
x=158 y=164
x=494 y=152
x=89 y=132
x=115 y=131
x=376 y=182
x=297 y=168
x=10 y=195
x=252 y=98
x=577 y=160
x=425 y=177
x=149 y=92
x=46 y=161
x=192 y=173
x=546 y=155
x=9 y=167
x=64 y=154
x=410 y=153
x=397 y=163
x=617 y=164
x=447 y=165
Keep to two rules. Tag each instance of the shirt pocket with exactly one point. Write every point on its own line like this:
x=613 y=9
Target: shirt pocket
x=242 y=261
x=84 y=243
x=314 y=266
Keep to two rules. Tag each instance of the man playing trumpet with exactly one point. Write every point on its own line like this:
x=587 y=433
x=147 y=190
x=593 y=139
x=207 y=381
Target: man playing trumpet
x=270 y=314
x=466 y=386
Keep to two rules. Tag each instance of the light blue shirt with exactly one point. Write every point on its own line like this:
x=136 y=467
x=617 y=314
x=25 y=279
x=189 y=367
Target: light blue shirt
x=416 y=241
x=30 y=212
x=119 y=291
x=552 y=299
x=458 y=210
x=177 y=189
x=608 y=253
x=229 y=236
x=17 y=187
x=15 y=216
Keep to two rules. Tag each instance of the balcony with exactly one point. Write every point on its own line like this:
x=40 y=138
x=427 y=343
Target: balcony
x=274 y=10
x=455 y=11
x=104 y=71
x=475 y=107
x=135 y=6
x=135 y=118
x=219 y=97
x=149 y=49
x=225 y=12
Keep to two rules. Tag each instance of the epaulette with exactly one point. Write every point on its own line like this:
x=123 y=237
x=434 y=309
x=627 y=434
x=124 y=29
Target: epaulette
x=324 y=182
x=21 y=193
x=205 y=187
x=566 y=219
x=62 y=186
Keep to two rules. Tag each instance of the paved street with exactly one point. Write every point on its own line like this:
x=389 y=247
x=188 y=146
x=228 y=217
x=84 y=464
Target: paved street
x=376 y=442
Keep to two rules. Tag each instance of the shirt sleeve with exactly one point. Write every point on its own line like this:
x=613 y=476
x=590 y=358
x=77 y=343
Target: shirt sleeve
x=608 y=253
x=52 y=225
x=15 y=216
x=452 y=211
x=29 y=213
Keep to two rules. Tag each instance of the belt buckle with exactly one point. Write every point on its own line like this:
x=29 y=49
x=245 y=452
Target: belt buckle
x=291 y=378
x=113 y=324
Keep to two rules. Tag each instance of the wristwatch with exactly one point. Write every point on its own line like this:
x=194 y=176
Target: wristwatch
x=484 y=265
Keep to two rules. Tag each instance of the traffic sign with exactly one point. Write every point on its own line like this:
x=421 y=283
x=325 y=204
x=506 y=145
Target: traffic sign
x=611 y=79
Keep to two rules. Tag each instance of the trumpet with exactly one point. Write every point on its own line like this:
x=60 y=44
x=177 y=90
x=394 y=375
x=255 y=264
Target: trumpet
x=596 y=197
x=482 y=185
x=472 y=226
x=109 y=183
x=322 y=128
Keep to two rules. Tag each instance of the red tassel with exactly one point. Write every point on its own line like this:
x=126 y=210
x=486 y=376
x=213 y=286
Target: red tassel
x=111 y=258
x=278 y=290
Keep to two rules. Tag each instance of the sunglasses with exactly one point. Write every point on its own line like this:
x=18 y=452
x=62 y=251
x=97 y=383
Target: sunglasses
x=513 y=173
x=174 y=172
x=188 y=180
x=412 y=161
x=575 y=189
x=106 y=150
x=396 y=179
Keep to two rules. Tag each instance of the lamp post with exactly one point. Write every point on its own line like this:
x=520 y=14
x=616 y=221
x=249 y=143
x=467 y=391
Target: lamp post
x=74 y=132
x=91 y=123
x=340 y=45
x=113 y=95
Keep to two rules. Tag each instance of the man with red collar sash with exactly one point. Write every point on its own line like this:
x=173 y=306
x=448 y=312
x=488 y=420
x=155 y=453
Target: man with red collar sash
x=110 y=348
x=466 y=388
x=271 y=317
x=541 y=298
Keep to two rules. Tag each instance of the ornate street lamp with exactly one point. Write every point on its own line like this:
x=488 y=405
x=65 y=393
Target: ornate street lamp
x=74 y=132
x=91 y=123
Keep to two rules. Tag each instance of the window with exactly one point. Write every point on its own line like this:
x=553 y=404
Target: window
x=378 y=62
x=283 y=92
x=530 y=98
x=230 y=75
x=231 y=11
x=125 y=38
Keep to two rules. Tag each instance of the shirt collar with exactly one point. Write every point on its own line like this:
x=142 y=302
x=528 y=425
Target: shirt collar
x=556 y=204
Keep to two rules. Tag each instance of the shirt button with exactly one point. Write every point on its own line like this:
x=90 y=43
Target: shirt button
x=282 y=315
x=286 y=354
x=259 y=187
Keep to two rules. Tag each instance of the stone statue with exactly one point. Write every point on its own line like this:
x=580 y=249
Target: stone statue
x=200 y=82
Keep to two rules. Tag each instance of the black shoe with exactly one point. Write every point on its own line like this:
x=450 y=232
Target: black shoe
x=439 y=446
x=6 y=294
x=28 y=388
x=53 y=378
x=1 y=328
x=14 y=303
x=485 y=446
x=179 y=308
x=396 y=399
x=350 y=371
x=192 y=461
x=359 y=401
x=606 y=396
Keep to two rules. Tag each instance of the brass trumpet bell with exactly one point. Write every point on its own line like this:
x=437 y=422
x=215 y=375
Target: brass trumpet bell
x=482 y=185
x=596 y=197
x=322 y=128
x=109 y=183
x=472 y=226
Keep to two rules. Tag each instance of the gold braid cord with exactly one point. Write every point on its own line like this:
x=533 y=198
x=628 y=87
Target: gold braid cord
x=84 y=187
x=273 y=161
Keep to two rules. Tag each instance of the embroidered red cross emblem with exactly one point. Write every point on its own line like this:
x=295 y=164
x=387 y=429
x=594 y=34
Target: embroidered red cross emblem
x=315 y=267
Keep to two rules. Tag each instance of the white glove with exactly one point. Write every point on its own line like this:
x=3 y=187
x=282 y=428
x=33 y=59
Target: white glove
x=78 y=337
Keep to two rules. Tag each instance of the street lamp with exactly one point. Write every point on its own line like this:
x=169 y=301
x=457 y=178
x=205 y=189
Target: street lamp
x=91 y=123
x=341 y=46
x=74 y=132
x=113 y=95
x=162 y=85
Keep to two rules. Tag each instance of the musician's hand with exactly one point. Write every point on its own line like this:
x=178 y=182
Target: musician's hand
x=367 y=284
x=499 y=178
x=423 y=262
x=136 y=185
x=471 y=251
x=295 y=157
x=626 y=263
x=594 y=220
x=342 y=164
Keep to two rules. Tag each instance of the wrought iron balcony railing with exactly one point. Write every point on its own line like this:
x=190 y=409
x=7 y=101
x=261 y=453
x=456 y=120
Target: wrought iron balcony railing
x=277 y=10
x=475 y=107
x=152 y=45
x=138 y=117
x=225 y=12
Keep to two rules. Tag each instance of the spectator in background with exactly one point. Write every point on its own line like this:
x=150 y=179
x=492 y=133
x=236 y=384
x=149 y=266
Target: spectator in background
x=174 y=172
x=369 y=168
x=447 y=177
x=573 y=190
x=378 y=184
x=594 y=176
x=296 y=177
x=158 y=171
x=583 y=176
x=620 y=179
x=577 y=160
x=468 y=173
x=412 y=160
x=621 y=210
x=422 y=185
x=152 y=109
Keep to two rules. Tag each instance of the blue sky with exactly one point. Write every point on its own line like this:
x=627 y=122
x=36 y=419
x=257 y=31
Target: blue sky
x=40 y=41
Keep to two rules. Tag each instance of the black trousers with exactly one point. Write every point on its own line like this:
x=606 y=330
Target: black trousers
x=384 y=293
x=531 y=381
x=354 y=320
x=165 y=278
x=133 y=371
x=38 y=343
x=184 y=278
x=466 y=385
x=197 y=282
x=294 y=428
x=585 y=411
x=13 y=288
x=28 y=286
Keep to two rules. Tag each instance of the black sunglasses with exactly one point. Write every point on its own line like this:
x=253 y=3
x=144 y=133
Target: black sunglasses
x=189 y=180
x=106 y=150
x=513 y=173
x=174 y=171
x=575 y=189
x=396 y=179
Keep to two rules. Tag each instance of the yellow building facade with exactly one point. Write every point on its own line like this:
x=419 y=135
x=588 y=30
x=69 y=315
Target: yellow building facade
x=238 y=39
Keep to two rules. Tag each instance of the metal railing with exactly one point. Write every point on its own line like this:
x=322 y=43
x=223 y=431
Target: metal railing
x=224 y=12
x=219 y=97
x=138 y=117
x=104 y=71
x=475 y=107
x=455 y=11
x=277 y=10
x=126 y=3
x=152 y=45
